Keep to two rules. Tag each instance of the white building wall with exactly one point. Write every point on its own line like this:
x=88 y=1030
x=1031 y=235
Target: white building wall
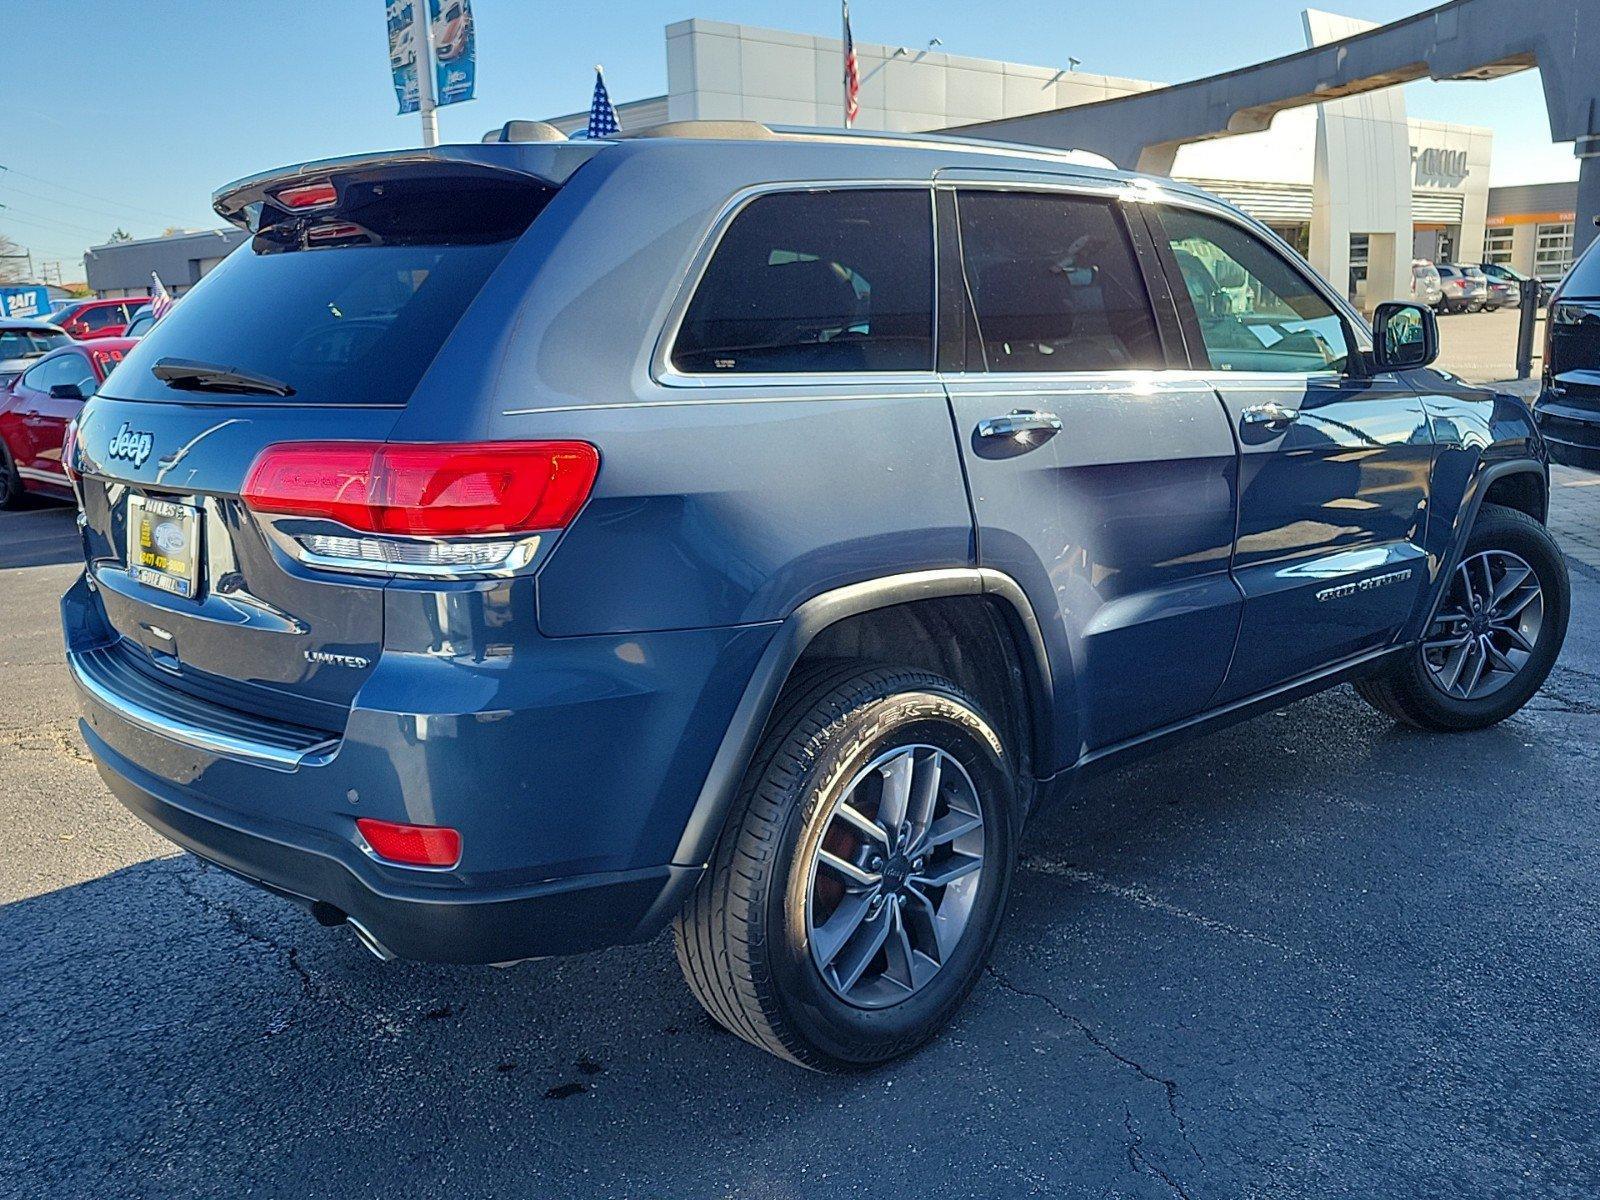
x=720 y=71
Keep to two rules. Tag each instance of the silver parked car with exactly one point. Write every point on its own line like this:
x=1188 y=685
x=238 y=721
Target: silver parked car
x=23 y=339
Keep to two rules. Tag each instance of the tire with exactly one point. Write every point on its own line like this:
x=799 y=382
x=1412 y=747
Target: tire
x=10 y=480
x=1414 y=693
x=745 y=940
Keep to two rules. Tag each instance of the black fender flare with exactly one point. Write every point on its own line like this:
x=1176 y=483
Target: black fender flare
x=1467 y=517
x=797 y=631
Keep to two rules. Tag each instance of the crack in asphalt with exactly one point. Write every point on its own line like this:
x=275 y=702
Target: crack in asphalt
x=1142 y=1164
x=1155 y=903
x=60 y=739
x=1168 y=1086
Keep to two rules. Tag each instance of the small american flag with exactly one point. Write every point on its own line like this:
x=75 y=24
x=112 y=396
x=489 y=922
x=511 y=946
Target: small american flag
x=602 y=117
x=160 y=298
x=852 y=77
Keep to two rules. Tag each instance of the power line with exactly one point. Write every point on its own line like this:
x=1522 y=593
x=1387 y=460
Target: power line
x=48 y=223
x=80 y=192
x=118 y=214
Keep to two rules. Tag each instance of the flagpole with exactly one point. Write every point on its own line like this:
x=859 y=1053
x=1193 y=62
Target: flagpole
x=844 y=53
x=426 y=107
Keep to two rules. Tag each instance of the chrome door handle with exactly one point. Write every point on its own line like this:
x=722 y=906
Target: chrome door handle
x=1019 y=422
x=1270 y=414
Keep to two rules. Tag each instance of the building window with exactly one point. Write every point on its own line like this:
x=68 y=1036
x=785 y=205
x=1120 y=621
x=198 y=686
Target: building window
x=1552 y=253
x=1360 y=254
x=1497 y=246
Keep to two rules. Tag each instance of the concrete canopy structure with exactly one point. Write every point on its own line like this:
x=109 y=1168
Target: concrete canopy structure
x=1464 y=39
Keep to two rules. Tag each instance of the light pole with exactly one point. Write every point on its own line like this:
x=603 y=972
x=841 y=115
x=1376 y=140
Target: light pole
x=426 y=108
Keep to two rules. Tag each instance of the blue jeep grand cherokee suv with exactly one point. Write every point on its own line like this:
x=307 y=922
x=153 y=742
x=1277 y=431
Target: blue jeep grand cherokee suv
x=518 y=548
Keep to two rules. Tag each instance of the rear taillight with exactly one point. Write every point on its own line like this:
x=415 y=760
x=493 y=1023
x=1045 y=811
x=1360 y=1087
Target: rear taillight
x=423 y=509
x=411 y=845
x=69 y=451
x=309 y=195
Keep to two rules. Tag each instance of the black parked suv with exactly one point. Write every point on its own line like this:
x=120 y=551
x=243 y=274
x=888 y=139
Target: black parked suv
x=520 y=548
x=1568 y=408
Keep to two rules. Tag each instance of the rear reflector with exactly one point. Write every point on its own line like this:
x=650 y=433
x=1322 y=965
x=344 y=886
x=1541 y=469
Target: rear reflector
x=426 y=490
x=411 y=845
x=310 y=195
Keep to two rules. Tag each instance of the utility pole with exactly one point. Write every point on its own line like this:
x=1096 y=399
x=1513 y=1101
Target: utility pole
x=426 y=108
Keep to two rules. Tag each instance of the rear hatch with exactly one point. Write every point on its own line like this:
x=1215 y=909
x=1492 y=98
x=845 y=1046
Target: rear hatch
x=1572 y=343
x=316 y=331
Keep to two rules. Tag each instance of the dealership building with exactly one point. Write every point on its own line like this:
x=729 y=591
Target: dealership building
x=1344 y=182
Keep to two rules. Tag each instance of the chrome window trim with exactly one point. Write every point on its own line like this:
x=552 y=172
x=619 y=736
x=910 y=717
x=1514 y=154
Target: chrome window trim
x=665 y=374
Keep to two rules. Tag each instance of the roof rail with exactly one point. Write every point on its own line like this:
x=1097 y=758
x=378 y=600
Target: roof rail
x=525 y=131
x=725 y=131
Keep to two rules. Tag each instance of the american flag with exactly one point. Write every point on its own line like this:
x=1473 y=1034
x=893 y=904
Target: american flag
x=852 y=77
x=602 y=117
x=160 y=298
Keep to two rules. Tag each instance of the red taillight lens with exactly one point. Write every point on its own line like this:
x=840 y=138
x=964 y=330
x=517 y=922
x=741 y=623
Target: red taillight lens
x=69 y=450
x=426 y=490
x=413 y=845
x=309 y=195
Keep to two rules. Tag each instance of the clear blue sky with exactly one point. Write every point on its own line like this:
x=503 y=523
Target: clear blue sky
x=130 y=114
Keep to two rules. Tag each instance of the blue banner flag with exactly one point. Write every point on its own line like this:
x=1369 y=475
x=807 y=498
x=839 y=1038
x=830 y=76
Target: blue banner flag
x=25 y=300
x=403 y=47
x=455 y=55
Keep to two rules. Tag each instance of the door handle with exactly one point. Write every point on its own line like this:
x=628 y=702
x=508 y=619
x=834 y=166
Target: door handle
x=1272 y=415
x=1019 y=422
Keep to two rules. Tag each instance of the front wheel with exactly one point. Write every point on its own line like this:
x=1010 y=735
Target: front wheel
x=1494 y=637
x=10 y=479
x=859 y=886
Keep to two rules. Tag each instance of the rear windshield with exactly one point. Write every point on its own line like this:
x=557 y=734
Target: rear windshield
x=1585 y=277
x=342 y=325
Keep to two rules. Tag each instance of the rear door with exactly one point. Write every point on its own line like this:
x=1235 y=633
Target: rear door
x=1335 y=465
x=1103 y=481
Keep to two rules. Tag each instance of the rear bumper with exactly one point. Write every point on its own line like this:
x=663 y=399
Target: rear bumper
x=566 y=916
x=571 y=768
x=1572 y=431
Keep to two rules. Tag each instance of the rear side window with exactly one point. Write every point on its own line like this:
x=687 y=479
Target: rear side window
x=1055 y=284
x=1585 y=277
x=64 y=368
x=106 y=314
x=816 y=282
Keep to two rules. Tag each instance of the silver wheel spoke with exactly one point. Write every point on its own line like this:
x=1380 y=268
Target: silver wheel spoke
x=1495 y=608
x=1497 y=658
x=948 y=828
x=949 y=872
x=861 y=823
x=831 y=936
x=1458 y=667
x=846 y=869
x=1475 y=671
x=925 y=790
x=852 y=961
x=1512 y=608
x=1514 y=578
x=1515 y=636
x=897 y=773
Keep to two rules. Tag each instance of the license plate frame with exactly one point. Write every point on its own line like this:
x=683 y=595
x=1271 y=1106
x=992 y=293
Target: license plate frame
x=164 y=551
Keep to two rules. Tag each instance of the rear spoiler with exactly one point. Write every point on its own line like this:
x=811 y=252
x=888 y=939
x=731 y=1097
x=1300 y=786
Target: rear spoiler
x=244 y=201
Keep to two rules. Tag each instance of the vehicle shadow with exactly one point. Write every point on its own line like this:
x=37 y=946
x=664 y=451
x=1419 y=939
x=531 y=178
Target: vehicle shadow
x=39 y=533
x=1186 y=990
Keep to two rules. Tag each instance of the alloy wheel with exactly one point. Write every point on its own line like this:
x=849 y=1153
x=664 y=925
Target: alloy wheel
x=1487 y=627
x=894 y=877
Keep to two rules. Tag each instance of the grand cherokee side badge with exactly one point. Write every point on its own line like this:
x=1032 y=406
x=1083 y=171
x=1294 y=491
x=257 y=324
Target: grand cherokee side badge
x=1364 y=585
x=131 y=445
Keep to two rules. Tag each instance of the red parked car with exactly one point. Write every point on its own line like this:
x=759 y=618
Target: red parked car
x=38 y=406
x=97 y=318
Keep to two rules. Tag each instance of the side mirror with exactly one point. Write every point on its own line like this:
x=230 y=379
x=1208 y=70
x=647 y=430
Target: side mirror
x=66 y=391
x=1406 y=336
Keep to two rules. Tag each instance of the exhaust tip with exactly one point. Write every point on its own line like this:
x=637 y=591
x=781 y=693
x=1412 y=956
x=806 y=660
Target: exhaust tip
x=364 y=936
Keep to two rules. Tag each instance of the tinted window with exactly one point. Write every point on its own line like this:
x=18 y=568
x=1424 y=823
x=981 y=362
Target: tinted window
x=106 y=314
x=64 y=368
x=25 y=343
x=1055 y=284
x=816 y=281
x=1256 y=311
x=350 y=325
x=1585 y=277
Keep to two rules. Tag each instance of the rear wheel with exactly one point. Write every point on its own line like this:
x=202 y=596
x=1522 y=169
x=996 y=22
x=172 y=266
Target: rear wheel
x=1494 y=637
x=10 y=479
x=858 y=889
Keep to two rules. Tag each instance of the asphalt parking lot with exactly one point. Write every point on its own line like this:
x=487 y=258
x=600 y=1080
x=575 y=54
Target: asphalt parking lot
x=1314 y=956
